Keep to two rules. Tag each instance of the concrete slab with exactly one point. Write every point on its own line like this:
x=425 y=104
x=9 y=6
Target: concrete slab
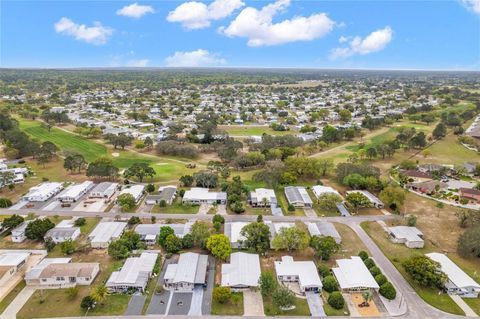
x=197 y=300
x=17 y=303
x=135 y=305
x=158 y=303
x=463 y=305
x=253 y=303
x=315 y=303
x=310 y=212
x=180 y=303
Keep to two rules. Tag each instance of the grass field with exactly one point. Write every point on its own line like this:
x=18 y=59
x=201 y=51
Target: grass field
x=301 y=308
x=176 y=208
x=232 y=308
x=474 y=303
x=397 y=254
x=250 y=130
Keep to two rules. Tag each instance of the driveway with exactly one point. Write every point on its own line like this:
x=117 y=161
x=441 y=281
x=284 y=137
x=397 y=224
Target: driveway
x=207 y=294
x=204 y=208
x=222 y=209
x=135 y=305
x=315 y=303
x=17 y=303
x=197 y=300
x=252 y=303
x=180 y=303
x=464 y=306
x=159 y=302
x=309 y=212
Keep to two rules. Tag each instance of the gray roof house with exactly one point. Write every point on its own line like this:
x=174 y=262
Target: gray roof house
x=324 y=229
x=190 y=271
x=298 y=196
x=166 y=193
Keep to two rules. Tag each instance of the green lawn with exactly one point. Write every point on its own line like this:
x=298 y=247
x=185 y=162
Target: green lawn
x=283 y=203
x=90 y=223
x=301 y=308
x=232 y=308
x=9 y=298
x=176 y=208
x=330 y=311
x=397 y=253
x=250 y=130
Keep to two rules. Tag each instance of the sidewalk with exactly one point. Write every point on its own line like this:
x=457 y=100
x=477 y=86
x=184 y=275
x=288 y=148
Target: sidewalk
x=18 y=303
x=463 y=305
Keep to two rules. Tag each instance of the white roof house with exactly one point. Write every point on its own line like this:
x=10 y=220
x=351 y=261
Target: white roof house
x=377 y=203
x=232 y=231
x=320 y=190
x=303 y=272
x=62 y=233
x=32 y=276
x=136 y=191
x=324 y=229
x=106 y=232
x=352 y=274
x=73 y=192
x=242 y=271
x=10 y=264
x=18 y=233
x=43 y=192
x=412 y=237
x=104 y=190
x=276 y=227
x=459 y=283
x=298 y=196
x=198 y=195
x=149 y=232
x=191 y=270
x=134 y=274
x=263 y=197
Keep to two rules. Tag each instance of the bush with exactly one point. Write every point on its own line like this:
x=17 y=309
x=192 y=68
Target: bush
x=291 y=208
x=72 y=292
x=369 y=263
x=80 y=222
x=363 y=254
x=388 y=291
x=375 y=271
x=162 y=203
x=336 y=300
x=218 y=218
x=323 y=270
x=87 y=302
x=330 y=284
x=380 y=279
x=5 y=203
x=134 y=220
x=150 y=188
x=222 y=294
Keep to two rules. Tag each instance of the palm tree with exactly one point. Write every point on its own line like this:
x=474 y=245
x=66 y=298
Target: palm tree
x=99 y=293
x=367 y=296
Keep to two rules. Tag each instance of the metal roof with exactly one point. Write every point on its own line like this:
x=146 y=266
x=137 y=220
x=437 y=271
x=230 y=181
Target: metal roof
x=243 y=270
x=105 y=231
x=456 y=275
x=352 y=273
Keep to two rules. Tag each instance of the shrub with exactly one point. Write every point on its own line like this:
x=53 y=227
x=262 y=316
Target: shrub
x=218 y=218
x=72 y=292
x=80 y=222
x=134 y=220
x=369 y=263
x=162 y=203
x=291 y=208
x=363 y=254
x=323 y=270
x=87 y=302
x=330 y=284
x=150 y=188
x=375 y=271
x=388 y=291
x=336 y=300
x=5 y=203
x=222 y=294
x=380 y=279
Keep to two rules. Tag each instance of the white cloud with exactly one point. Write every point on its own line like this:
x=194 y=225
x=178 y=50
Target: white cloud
x=135 y=10
x=374 y=42
x=257 y=26
x=473 y=5
x=197 y=58
x=343 y=39
x=96 y=34
x=197 y=15
x=138 y=63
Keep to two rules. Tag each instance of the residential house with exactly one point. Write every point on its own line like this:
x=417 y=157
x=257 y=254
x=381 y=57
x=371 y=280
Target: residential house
x=262 y=197
x=149 y=232
x=106 y=232
x=189 y=272
x=198 y=195
x=166 y=193
x=428 y=187
x=459 y=283
x=43 y=192
x=232 y=231
x=324 y=229
x=74 y=192
x=303 y=272
x=298 y=196
x=136 y=191
x=134 y=275
x=319 y=190
x=18 y=233
x=470 y=193
x=64 y=231
x=10 y=264
x=353 y=275
x=104 y=190
x=412 y=237
x=377 y=203
x=243 y=271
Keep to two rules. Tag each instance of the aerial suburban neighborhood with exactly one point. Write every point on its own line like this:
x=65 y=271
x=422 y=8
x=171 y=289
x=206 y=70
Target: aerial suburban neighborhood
x=239 y=158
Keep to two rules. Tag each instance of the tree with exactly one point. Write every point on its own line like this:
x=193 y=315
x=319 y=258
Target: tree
x=87 y=302
x=67 y=247
x=218 y=218
x=173 y=244
x=72 y=292
x=99 y=293
x=12 y=221
x=126 y=201
x=411 y=220
x=219 y=246
x=283 y=298
x=324 y=247
x=345 y=115
x=165 y=231
x=335 y=299
x=355 y=181
x=102 y=167
x=118 y=249
x=140 y=171
x=469 y=242
x=357 y=200
x=290 y=238
x=74 y=162
x=205 y=179
x=393 y=196
x=222 y=294
x=5 y=202
x=388 y=291
x=186 y=180
x=369 y=263
x=134 y=220
x=257 y=237
x=80 y=222
x=187 y=241
x=375 y=271
x=37 y=229
x=148 y=142
x=120 y=140
x=323 y=270
x=425 y=271
x=200 y=232
x=268 y=283
x=330 y=284
x=439 y=131
x=328 y=202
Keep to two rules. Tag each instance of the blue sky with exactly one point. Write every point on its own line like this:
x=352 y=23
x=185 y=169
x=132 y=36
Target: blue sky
x=317 y=34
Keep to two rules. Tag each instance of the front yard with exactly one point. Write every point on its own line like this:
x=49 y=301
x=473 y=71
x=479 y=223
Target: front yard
x=234 y=307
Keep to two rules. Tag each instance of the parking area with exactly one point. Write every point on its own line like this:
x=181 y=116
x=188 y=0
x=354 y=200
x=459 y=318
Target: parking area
x=180 y=303
x=135 y=305
x=91 y=205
